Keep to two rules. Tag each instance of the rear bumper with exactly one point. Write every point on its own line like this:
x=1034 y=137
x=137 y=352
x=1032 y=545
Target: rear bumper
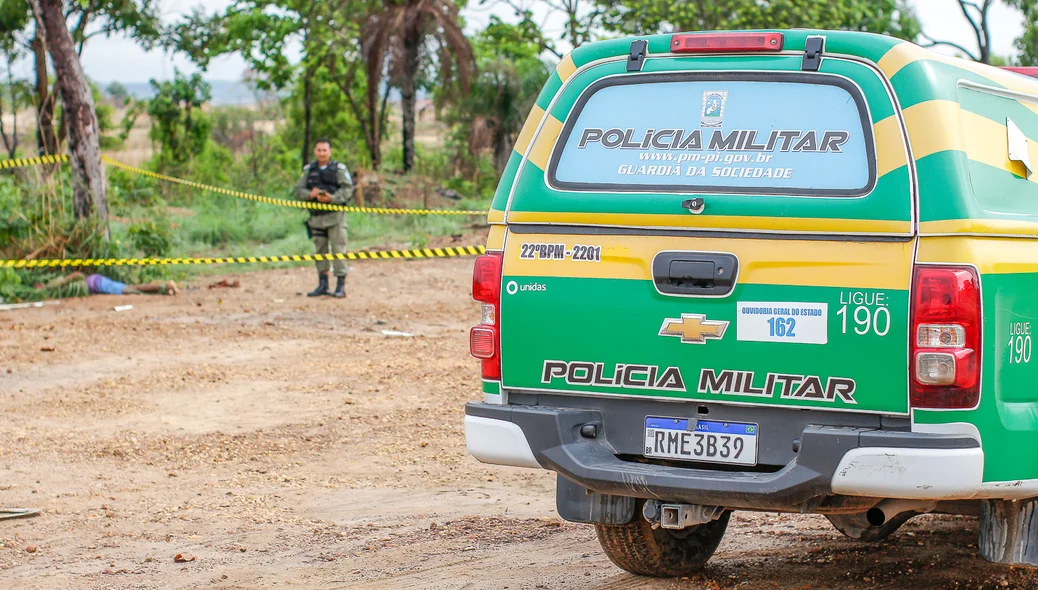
x=831 y=460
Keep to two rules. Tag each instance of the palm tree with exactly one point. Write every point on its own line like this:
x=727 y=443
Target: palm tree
x=503 y=94
x=399 y=36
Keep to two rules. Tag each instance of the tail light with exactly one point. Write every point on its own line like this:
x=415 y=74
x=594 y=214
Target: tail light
x=725 y=42
x=946 y=325
x=485 y=339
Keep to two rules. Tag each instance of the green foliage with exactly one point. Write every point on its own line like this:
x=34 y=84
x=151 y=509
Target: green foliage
x=638 y=17
x=178 y=124
x=511 y=75
x=14 y=17
x=139 y=20
x=10 y=285
x=331 y=118
x=153 y=238
x=1027 y=44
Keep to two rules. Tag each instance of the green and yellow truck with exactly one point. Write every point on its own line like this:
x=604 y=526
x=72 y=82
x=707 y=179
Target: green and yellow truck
x=791 y=271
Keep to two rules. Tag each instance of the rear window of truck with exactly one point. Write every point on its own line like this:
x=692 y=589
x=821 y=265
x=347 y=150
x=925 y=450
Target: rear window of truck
x=760 y=134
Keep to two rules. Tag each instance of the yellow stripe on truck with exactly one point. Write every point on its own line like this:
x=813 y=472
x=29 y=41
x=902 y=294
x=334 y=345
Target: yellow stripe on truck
x=990 y=255
x=566 y=67
x=933 y=127
x=890 y=145
x=862 y=265
x=545 y=141
x=717 y=222
x=906 y=53
x=942 y=125
x=529 y=127
x=496 y=238
x=1005 y=227
x=989 y=143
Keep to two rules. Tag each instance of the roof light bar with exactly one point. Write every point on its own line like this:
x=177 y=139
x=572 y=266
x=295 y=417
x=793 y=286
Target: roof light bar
x=725 y=42
x=1026 y=71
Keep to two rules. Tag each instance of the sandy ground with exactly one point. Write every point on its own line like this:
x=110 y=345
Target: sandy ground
x=276 y=441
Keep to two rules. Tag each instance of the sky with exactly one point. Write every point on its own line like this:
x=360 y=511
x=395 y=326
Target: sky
x=120 y=59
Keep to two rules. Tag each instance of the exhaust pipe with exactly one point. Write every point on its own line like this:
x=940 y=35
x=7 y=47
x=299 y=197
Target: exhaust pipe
x=886 y=510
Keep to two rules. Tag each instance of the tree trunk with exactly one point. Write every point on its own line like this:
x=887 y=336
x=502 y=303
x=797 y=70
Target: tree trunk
x=502 y=150
x=10 y=141
x=308 y=98
x=46 y=140
x=408 y=93
x=88 y=179
x=307 y=113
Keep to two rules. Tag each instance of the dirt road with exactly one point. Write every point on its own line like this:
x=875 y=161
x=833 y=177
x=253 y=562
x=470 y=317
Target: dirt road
x=276 y=441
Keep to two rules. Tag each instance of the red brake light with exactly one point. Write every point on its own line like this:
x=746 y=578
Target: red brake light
x=945 y=337
x=725 y=42
x=485 y=339
x=486 y=278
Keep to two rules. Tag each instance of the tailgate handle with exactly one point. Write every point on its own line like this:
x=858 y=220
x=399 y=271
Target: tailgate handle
x=695 y=273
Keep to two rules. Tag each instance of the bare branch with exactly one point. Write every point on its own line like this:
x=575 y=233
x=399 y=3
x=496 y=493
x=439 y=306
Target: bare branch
x=933 y=43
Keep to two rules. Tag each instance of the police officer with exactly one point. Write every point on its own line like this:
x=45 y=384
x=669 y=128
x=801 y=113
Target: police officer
x=327 y=181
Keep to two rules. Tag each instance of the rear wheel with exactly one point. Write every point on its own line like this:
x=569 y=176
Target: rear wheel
x=857 y=526
x=662 y=553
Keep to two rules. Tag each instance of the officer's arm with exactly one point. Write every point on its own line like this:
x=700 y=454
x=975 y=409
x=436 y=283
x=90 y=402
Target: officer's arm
x=345 y=192
x=303 y=193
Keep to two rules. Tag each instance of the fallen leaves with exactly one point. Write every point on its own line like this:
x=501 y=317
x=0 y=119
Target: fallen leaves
x=225 y=284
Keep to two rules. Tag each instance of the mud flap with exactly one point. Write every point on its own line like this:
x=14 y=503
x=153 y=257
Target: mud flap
x=1009 y=532
x=576 y=503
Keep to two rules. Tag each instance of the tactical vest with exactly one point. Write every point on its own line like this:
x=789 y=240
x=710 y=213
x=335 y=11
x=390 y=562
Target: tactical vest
x=326 y=180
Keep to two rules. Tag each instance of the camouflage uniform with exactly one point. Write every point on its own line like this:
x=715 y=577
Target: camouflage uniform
x=327 y=228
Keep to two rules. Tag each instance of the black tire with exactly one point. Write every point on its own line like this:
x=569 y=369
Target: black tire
x=857 y=527
x=662 y=553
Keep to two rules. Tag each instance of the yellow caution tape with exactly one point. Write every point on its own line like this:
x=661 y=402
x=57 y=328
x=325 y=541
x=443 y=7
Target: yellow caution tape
x=418 y=253
x=24 y=162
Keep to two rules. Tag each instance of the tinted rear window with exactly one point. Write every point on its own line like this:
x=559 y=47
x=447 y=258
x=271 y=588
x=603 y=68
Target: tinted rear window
x=794 y=134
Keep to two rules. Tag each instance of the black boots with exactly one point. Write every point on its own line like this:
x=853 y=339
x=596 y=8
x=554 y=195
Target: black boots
x=322 y=286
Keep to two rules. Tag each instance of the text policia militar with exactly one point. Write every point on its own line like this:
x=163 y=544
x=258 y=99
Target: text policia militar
x=719 y=143
x=736 y=140
x=724 y=382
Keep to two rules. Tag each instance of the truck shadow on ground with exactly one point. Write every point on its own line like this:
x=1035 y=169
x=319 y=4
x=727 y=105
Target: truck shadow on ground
x=929 y=552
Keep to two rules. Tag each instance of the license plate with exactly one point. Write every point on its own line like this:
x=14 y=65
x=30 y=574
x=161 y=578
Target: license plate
x=710 y=441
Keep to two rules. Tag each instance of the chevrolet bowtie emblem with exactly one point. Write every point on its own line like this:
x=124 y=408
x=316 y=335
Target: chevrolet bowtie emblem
x=693 y=328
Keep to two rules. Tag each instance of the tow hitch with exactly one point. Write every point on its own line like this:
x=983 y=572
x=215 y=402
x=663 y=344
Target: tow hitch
x=679 y=516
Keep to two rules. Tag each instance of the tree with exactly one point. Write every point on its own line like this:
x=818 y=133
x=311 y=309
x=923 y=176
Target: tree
x=13 y=18
x=641 y=17
x=511 y=74
x=399 y=35
x=977 y=15
x=88 y=179
x=95 y=18
x=18 y=97
x=85 y=19
x=265 y=33
x=178 y=124
x=581 y=19
x=119 y=93
x=1027 y=44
